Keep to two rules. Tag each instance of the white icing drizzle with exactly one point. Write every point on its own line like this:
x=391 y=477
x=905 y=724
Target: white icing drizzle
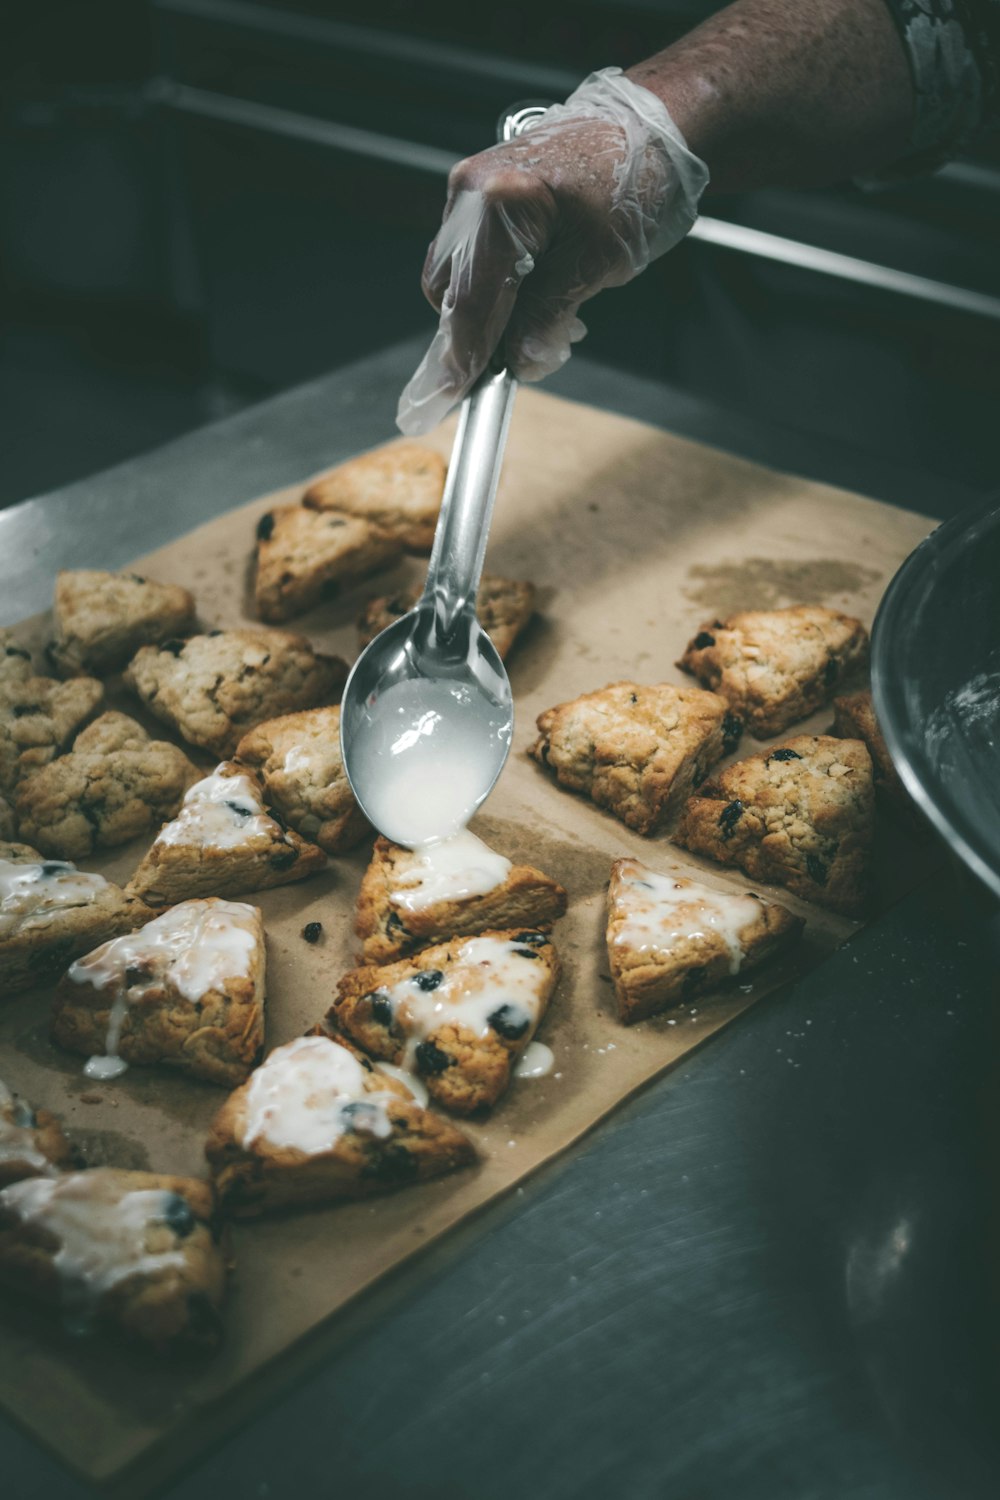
x=657 y=911
x=535 y=1061
x=31 y=894
x=219 y=812
x=452 y=870
x=17 y=1134
x=307 y=1094
x=194 y=947
x=409 y=1081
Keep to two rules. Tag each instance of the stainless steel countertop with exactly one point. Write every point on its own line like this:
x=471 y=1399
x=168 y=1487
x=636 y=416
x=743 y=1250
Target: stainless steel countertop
x=767 y=1276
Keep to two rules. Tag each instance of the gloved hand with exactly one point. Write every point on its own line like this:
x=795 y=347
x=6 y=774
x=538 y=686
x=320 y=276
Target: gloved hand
x=583 y=200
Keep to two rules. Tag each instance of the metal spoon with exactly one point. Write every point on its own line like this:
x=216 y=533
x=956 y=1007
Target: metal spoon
x=427 y=714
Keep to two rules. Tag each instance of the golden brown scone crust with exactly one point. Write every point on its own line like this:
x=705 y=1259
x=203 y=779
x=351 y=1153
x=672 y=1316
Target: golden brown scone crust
x=103 y=618
x=799 y=815
x=217 y=1037
x=214 y=688
x=32 y=1143
x=310 y=790
x=462 y=1070
x=263 y=1177
x=504 y=607
x=163 y=1305
x=399 y=488
x=854 y=719
x=8 y=823
x=526 y=899
x=38 y=715
x=648 y=978
x=635 y=750
x=775 y=666
x=305 y=556
x=114 y=784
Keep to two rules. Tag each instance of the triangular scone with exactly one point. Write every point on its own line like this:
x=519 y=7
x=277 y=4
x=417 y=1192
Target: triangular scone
x=213 y=688
x=670 y=938
x=775 y=666
x=634 y=750
x=115 y=784
x=187 y=991
x=38 y=715
x=298 y=760
x=799 y=815
x=315 y=1123
x=51 y=912
x=854 y=719
x=411 y=898
x=102 y=618
x=32 y=1143
x=134 y=1251
x=504 y=607
x=305 y=556
x=399 y=488
x=458 y=1015
x=223 y=842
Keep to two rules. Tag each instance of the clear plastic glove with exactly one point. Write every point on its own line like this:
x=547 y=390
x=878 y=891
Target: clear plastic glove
x=583 y=200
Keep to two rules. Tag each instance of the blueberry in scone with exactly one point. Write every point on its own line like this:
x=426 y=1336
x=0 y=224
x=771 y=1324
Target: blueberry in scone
x=799 y=815
x=305 y=556
x=504 y=607
x=636 y=750
x=187 y=992
x=775 y=666
x=214 y=688
x=32 y=1143
x=316 y=1123
x=38 y=715
x=101 y=619
x=298 y=760
x=114 y=784
x=223 y=842
x=397 y=488
x=410 y=898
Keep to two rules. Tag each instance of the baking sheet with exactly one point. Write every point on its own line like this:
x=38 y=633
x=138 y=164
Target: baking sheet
x=634 y=538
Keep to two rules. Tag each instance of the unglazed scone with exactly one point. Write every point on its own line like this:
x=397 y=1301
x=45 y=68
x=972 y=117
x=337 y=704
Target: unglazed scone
x=223 y=842
x=635 y=750
x=38 y=715
x=101 y=619
x=305 y=556
x=800 y=815
x=51 y=912
x=134 y=1251
x=213 y=688
x=504 y=607
x=32 y=1143
x=854 y=719
x=458 y=1014
x=114 y=784
x=670 y=938
x=297 y=757
x=775 y=666
x=315 y=1123
x=409 y=898
x=186 y=991
x=399 y=488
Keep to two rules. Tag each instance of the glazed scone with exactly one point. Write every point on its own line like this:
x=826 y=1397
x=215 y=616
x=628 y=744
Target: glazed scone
x=504 y=607
x=306 y=556
x=854 y=719
x=115 y=784
x=315 y=1123
x=32 y=1143
x=297 y=757
x=670 y=938
x=38 y=717
x=223 y=842
x=799 y=815
x=134 y=1251
x=50 y=913
x=399 y=488
x=458 y=1015
x=775 y=666
x=409 y=898
x=213 y=688
x=102 y=619
x=634 y=750
x=186 y=991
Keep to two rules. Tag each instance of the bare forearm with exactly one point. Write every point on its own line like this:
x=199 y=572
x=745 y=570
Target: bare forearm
x=788 y=92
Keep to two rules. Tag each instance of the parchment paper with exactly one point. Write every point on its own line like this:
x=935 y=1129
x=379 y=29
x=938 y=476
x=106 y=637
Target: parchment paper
x=634 y=539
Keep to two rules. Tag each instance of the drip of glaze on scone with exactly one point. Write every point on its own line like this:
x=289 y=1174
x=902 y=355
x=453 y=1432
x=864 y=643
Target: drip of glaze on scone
x=658 y=911
x=17 y=1134
x=409 y=1081
x=219 y=812
x=308 y=1094
x=452 y=870
x=32 y=894
x=194 y=947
